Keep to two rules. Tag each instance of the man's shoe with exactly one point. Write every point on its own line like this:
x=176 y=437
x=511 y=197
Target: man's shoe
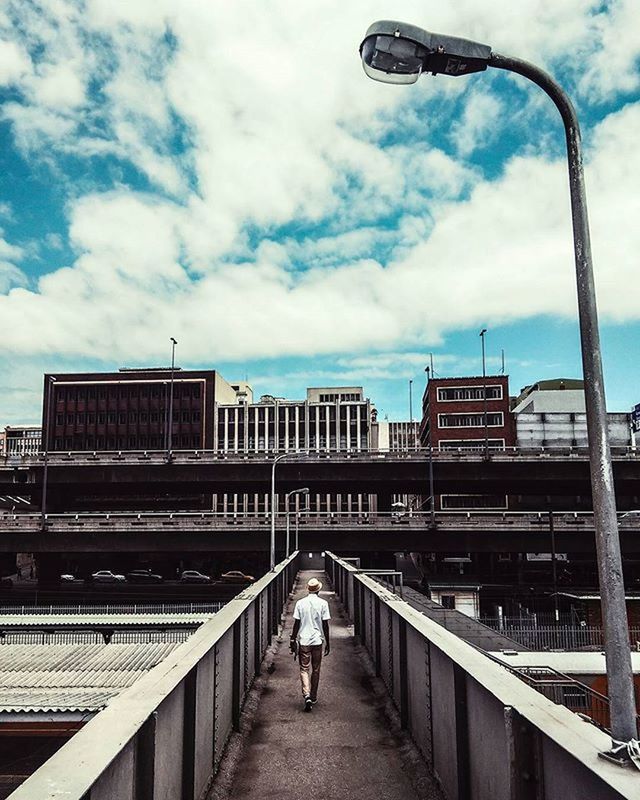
x=313 y=702
x=308 y=703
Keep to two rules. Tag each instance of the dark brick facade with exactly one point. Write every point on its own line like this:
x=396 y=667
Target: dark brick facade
x=448 y=417
x=129 y=410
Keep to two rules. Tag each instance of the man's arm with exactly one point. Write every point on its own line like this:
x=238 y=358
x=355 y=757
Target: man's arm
x=325 y=630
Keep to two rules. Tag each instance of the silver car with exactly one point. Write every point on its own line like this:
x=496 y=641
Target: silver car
x=106 y=576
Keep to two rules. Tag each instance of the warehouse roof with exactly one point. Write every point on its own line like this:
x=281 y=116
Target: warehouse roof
x=72 y=677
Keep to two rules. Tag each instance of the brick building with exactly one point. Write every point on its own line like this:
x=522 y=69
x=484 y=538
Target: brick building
x=453 y=416
x=129 y=409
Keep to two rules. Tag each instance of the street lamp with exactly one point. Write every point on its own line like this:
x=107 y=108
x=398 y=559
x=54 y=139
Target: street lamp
x=432 y=504
x=170 y=421
x=45 y=472
x=274 y=464
x=304 y=491
x=393 y=52
x=484 y=395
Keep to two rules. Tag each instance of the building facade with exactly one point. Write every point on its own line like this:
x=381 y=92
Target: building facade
x=453 y=417
x=129 y=409
x=329 y=419
x=21 y=440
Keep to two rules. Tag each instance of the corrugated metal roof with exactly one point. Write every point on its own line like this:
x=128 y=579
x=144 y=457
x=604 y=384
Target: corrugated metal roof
x=68 y=677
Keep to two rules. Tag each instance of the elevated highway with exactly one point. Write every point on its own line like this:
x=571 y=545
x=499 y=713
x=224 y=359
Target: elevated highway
x=130 y=474
x=209 y=532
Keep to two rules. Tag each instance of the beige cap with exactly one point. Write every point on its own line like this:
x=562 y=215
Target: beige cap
x=314 y=585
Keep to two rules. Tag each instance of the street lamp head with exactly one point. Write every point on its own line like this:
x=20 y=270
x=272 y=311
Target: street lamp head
x=175 y=341
x=304 y=491
x=395 y=52
x=483 y=331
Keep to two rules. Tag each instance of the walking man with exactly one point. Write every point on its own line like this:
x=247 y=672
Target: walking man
x=310 y=628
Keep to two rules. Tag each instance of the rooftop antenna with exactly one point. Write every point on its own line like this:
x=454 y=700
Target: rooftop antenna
x=502 y=368
x=433 y=374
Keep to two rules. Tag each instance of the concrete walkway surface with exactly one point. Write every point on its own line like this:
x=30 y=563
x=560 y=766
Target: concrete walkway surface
x=347 y=748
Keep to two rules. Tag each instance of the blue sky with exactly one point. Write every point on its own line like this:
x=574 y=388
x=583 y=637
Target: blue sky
x=226 y=174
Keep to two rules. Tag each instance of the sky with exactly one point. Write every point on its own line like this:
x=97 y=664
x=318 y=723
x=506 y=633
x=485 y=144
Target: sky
x=226 y=174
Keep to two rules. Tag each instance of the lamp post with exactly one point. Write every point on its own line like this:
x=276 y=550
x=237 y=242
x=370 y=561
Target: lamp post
x=170 y=421
x=432 y=503
x=483 y=333
x=304 y=491
x=393 y=52
x=272 y=548
x=45 y=471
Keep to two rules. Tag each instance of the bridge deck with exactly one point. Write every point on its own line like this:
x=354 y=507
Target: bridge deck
x=347 y=747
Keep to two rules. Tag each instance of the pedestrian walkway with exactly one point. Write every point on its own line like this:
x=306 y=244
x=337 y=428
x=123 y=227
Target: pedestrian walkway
x=345 y=748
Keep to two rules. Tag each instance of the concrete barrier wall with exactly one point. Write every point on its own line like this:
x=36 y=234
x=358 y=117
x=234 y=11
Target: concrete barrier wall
x=164 y=737
x=485 y=734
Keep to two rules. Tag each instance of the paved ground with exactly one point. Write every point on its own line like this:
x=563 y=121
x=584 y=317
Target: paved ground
x=348 y=747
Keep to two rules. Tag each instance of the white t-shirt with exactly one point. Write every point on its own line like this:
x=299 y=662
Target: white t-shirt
x=311 y=611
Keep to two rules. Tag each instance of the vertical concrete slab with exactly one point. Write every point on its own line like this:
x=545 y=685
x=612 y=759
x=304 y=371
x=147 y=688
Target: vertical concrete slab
x=566 y=778
x=488 y=755
x=204 y=722
x=118 y=779
x=224 y=692
x=419 y=681
x=168 y=758
x=444 y=722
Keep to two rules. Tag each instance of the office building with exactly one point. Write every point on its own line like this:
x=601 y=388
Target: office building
x=129 y=409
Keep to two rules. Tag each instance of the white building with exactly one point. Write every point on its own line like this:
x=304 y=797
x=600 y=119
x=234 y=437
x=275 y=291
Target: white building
x=21 y=440
x=330 y=419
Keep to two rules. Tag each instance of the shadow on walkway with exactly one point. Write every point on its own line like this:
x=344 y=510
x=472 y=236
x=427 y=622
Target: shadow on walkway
x=350 y=747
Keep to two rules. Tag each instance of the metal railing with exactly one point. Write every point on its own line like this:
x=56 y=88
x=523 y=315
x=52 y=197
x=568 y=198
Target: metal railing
x=524 y=521
x=165 y=735
x=115 y=608
x=96 y=637
x=559 y=637
x=484 y=733
x=209 y=456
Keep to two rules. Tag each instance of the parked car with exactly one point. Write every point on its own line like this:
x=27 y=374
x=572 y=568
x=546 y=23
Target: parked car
x=143 y=576
x=193 y=576
x=67 y=577
x=106 y=576
x=235 y=576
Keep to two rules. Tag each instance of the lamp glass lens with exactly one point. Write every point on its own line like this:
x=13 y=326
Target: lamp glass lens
x=392 y=59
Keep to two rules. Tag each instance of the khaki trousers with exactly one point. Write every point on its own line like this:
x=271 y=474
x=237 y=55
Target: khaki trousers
x=310 y=656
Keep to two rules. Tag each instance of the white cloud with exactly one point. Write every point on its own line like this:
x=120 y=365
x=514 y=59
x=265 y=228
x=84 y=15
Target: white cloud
x=280 y=127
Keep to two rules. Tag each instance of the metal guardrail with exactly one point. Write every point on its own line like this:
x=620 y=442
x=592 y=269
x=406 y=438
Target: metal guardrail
x=165 y=735
x=114 y=608
x=57 y=457
x=210 y=520
x=96 y=637
x=560 y=637
x=481 y=730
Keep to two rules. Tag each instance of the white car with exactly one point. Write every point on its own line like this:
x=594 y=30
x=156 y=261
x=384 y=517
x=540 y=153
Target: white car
x=106 y=576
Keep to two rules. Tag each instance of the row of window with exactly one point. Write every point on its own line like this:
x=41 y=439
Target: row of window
x=470 y=444
x=321 y=413
x=495 y=419
x=79 y=443
x=452 y=393
x=470 y=501
x=322 y=443
x=83 y=393
x=123 y=417
x=343 y=398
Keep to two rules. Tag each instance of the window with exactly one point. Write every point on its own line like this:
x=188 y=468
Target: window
x=186 y=416
x=195 y=416
x=111 y=417
x=101 y=418
x=155 y=391
x=91 y=393
x=143 y=416
x=144 y=392
x=133 y=416
x=452 y=393
x=132 y=441
x=59 y=419
x=448 y=601
x=122 y=418
x=196 y=390
x=102 y=393
x=91 y=418
x=70 y=419
x=80 y=419
x=495 y=419
x=154 y=416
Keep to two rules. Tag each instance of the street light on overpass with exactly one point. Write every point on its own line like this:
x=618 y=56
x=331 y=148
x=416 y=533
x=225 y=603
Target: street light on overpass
x=274 y=464
x=304 y=491
x=394 y=52
x=45 y=472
